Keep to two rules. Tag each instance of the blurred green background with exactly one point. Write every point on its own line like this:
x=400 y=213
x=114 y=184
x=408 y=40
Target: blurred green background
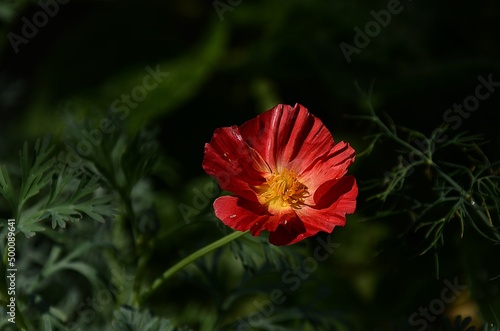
x=225 y=62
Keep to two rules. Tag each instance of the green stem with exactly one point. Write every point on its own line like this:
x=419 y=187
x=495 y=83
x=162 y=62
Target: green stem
x=188 y=260
x=394 y=137
x=426 y=156
x=449 y=179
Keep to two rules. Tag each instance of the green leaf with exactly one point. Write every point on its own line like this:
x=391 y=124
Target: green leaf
x=36 y=172
x=69 y=199
x=255 y=252
x=69 y=262
x=128 y=319
x=6 y=187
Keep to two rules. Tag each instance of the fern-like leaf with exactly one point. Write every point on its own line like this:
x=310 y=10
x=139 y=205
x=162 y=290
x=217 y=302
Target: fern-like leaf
x=131 y=320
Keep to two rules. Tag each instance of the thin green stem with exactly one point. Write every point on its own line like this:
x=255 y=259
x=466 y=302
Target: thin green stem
x=374 y=117
x=448 y=179
x=426 y=156
x=394 y=137
x=188 y=260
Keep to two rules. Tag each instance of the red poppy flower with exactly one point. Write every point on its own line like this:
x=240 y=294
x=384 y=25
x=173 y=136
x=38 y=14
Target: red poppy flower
x=287 y=175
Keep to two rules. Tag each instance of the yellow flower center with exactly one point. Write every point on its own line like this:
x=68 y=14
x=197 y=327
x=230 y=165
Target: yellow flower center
x=283 y=189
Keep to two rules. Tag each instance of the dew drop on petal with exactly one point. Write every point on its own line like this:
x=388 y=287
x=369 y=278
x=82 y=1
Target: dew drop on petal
x=232 y=216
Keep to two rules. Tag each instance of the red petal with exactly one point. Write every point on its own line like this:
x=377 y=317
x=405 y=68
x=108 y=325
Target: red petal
x=342 y=193
x=330 y=167
x=236 y=166
x=242 y=215
x=290 y=233
x=284 y=134
x=335 y=199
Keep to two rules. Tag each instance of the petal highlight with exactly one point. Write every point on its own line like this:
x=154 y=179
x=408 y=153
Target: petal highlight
x=286 y=134
x=236 y=166
x=241 y=214
x=329 y=167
